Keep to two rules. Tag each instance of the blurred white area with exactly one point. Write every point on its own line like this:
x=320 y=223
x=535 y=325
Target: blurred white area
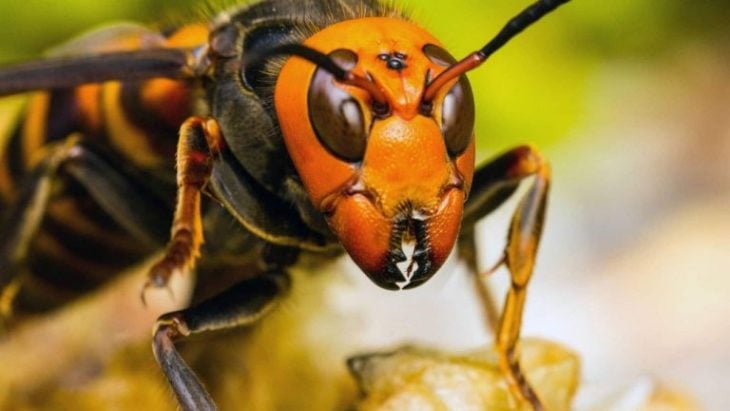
x=651 y=202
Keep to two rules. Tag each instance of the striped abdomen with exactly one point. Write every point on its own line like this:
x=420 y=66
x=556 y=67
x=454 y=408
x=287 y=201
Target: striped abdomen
x=132 y=125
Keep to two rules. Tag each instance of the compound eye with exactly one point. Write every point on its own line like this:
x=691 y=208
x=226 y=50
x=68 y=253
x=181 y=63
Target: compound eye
x=457 y=117
x=457 y=108
x=337 y=117
x=438 y=55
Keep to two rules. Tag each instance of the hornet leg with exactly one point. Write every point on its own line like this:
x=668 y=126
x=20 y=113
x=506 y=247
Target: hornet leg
x=467 y=249
x=199 y=141
x=241 y=305
x=493 y=184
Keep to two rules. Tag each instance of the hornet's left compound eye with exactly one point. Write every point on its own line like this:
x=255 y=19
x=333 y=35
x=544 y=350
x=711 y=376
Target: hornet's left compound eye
x=335 y=114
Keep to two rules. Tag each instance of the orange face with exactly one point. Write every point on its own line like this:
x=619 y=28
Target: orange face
x=391 y=179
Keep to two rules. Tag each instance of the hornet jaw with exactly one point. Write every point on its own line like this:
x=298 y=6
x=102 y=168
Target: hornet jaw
x=409 y=226
x=400 y=251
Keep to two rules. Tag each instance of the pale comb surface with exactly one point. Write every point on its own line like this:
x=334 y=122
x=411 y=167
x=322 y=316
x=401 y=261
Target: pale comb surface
x=411 y=379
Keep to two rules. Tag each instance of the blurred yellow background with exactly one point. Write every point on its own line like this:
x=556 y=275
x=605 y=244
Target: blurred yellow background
x=630 y=99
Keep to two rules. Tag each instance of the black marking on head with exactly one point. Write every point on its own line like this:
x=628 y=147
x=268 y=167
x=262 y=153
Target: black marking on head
x=404 y=225
x=421 y=255
x=394 y=60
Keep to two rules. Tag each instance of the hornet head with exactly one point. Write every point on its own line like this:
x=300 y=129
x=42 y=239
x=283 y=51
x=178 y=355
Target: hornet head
x=389 y=169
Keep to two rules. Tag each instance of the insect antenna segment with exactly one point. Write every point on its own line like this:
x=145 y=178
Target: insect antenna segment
x=514 y=27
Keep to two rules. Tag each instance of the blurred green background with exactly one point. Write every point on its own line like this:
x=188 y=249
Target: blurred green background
x=630 y=99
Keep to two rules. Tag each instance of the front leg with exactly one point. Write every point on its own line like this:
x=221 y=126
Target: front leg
x=493 y=184
x=200 y=140
x=241 y=305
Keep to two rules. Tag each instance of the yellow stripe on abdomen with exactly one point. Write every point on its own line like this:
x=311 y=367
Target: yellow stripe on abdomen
x=11 y=110
x=128 y=139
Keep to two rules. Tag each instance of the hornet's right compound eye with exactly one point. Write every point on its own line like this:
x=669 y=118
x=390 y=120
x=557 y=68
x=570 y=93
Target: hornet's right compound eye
x=336 y=115
x=457 y=117
x=457 y=107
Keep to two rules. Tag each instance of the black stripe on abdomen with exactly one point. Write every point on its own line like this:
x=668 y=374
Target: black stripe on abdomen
x=66 y=261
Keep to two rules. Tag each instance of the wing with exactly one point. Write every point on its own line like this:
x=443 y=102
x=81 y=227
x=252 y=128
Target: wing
x=62 y=72
x=120 y=52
